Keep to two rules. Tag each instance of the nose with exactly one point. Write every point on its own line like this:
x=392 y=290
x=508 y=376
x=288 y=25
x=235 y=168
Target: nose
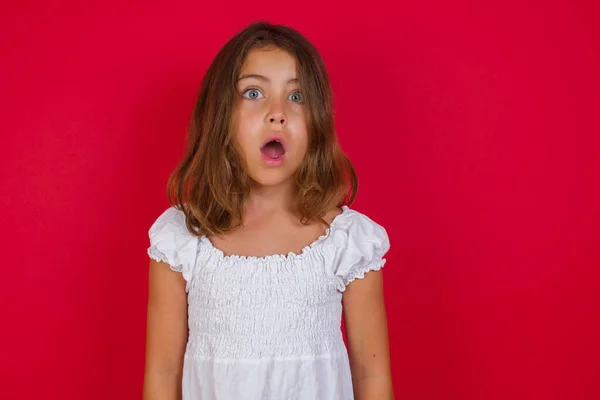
x=276 y=114
x=277 y=119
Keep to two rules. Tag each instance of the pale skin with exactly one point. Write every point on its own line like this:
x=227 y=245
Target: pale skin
x=270 y=101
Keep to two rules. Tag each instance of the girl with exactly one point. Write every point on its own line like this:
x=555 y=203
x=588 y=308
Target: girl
x=252 y=263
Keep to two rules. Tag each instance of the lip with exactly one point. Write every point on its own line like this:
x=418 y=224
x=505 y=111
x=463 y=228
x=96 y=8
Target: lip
x=275 y=136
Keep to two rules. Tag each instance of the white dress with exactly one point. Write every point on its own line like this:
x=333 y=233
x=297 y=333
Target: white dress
x=268 y=328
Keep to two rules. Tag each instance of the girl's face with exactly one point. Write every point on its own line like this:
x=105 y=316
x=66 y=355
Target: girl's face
x=270 y=121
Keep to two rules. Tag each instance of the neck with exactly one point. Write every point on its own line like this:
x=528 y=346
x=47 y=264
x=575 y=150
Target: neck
x=271 y=199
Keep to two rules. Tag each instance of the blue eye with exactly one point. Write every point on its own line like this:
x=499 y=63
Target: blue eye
x=296 y=97
x=252 y=94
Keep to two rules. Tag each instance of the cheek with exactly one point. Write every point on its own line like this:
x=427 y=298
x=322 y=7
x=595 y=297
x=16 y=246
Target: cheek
x=250 y=118
x=299 y=128
x=243 y=132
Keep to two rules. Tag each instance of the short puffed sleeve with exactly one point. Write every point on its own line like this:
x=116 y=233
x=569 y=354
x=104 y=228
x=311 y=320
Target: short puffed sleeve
x=361 y=246
x=172 y=243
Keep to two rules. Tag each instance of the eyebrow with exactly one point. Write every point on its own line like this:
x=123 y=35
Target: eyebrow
x=263 y=78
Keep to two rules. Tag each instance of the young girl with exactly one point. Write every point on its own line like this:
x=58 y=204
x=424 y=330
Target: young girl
x=252 y=263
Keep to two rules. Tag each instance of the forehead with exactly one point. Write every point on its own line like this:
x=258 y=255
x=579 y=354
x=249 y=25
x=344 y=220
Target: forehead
x=271 y=62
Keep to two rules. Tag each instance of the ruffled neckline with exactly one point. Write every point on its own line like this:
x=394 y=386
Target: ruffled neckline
x=277 y=257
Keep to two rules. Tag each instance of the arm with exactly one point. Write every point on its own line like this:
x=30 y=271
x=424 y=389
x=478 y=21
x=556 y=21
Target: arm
x=166 y=333
x=366 y=331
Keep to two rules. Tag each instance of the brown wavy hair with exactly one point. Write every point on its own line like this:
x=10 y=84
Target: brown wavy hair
x=210 y=184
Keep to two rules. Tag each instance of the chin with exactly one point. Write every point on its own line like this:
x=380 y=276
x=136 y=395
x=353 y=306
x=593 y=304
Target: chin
x=271 y=178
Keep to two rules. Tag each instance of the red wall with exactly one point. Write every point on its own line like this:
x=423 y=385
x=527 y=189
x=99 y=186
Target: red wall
x=475 y=131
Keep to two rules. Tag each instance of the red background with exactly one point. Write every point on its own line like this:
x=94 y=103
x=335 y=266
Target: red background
x=474 y=129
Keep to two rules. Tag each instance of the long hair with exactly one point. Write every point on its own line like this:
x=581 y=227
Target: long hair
x=210 y=184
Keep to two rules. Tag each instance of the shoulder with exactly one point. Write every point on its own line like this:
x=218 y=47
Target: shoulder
x=360 y=226
x=171 y=241
x=360 y=244
x=170 y=220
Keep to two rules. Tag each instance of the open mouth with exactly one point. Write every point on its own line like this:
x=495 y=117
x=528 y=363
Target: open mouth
x=273 y=149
